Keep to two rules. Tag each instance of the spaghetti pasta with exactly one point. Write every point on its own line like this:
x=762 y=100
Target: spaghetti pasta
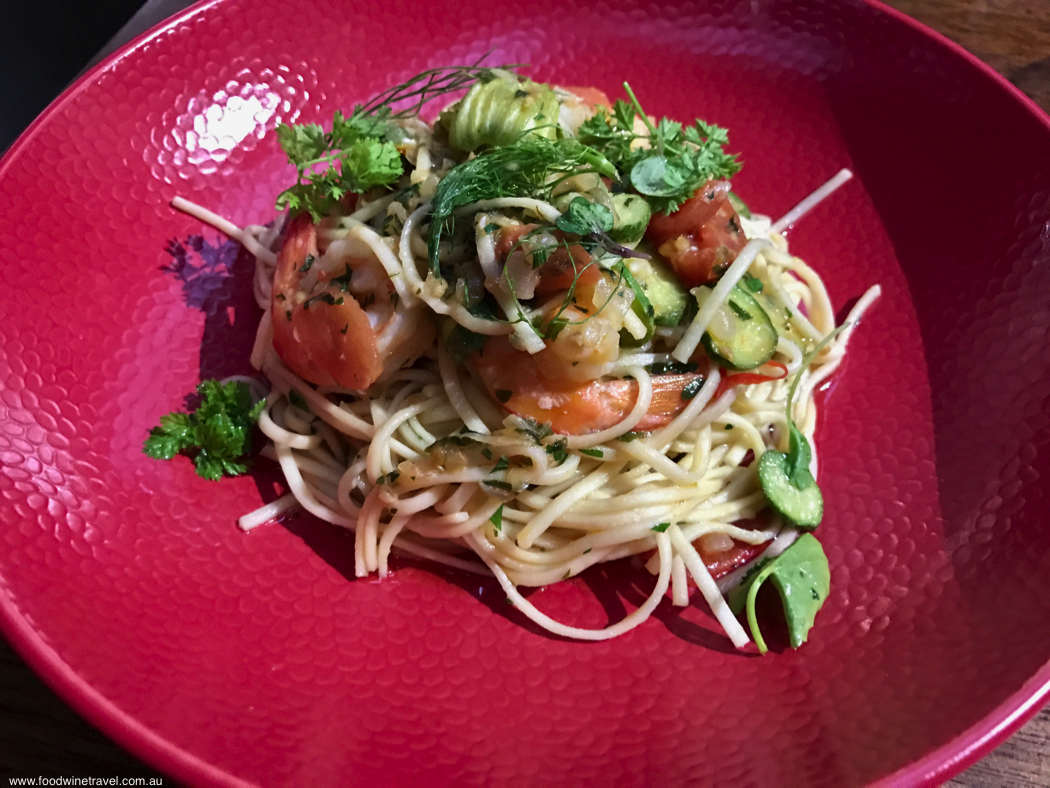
x=652 y=437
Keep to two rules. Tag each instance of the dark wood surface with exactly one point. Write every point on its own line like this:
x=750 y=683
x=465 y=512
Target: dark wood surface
x=41 y=735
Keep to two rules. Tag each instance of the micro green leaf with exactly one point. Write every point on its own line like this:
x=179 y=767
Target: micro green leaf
x=584 y=217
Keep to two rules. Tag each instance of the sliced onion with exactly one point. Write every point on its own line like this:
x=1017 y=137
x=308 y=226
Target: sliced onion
x=518 y=277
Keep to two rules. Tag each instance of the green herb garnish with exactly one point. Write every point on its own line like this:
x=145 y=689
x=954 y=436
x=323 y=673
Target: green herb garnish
x=528 y=168
x=298 y=400
x=692 y=388
x=802 y=576
x=351 y=158
x=360 y=151
x=218 y=434
x=584 y=217
x=534 y=429
x=558 y=451
x=677 y=162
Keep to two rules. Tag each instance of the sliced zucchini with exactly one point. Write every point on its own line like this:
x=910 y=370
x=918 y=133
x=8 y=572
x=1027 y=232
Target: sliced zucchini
x=631 y=214
x=741 y=336
x=779 y=316
x=666 y=294
x=500 y=112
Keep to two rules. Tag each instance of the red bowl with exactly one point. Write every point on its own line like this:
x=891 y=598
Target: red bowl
x=227 y=659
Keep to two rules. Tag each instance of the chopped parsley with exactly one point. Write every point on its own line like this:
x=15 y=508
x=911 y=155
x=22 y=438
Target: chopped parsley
x=752 y=283
x=692 y=388
x=343 y=281
x=558 y=451
x=535 y=430
x=298 y=400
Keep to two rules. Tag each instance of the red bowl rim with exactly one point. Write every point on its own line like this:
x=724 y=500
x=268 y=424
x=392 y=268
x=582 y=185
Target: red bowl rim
x=931 y=769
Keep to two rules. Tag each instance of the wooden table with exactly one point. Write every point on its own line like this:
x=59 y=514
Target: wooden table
x=40 y=735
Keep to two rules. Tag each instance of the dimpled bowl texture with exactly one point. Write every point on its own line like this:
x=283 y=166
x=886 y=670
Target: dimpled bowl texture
x=226 y=658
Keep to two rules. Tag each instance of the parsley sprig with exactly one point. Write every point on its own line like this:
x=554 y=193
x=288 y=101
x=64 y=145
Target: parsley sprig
x=360 y=152
x=353 y=157
x=673 y=160
x=218 y=434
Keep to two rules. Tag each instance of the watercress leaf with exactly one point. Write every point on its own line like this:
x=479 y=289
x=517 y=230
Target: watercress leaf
x=802 y=577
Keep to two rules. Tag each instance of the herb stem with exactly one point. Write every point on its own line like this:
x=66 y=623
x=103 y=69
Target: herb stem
x=644 y=117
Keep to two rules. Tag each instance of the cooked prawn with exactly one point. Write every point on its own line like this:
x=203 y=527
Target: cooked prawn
x=579 y=104
x=525 y=386
x=336 y=317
